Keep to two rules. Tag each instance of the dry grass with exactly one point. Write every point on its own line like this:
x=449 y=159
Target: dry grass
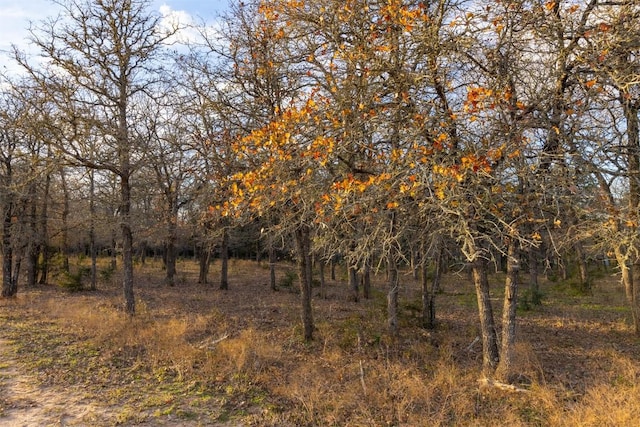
x=194 y=355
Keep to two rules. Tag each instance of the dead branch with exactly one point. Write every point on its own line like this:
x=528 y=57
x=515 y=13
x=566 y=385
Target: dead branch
x=210 y=344
x=486 y=382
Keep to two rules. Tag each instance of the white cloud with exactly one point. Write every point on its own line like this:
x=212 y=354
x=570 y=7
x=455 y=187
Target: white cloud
x=12 y=12
x=181 y=19
x=16 y=16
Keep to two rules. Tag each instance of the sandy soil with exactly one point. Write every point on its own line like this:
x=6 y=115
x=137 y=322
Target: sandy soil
x=27 y=404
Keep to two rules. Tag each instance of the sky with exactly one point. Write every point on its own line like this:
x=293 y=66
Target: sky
x=15 y=16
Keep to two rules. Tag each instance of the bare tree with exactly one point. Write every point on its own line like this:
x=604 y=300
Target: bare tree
x=102 y=61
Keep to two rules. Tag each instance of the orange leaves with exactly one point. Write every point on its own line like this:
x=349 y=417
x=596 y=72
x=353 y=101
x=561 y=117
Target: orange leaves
x=603 y=55
x=497 y=24
x=350 y=185
x=456 y=172
x=395 y=155
x=476 y=98
x=573 y=8
x=604 y=27
x=448 y=171
x=474 y=163
x=281 y=158
x=294 y=4
x=440 y=141
x=496 y=154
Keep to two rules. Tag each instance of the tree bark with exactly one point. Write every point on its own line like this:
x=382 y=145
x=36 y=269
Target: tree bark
x=490 y=355
x=509 y=312
x=631 y=110
x=172 y=237
x=626 y=271
x=321 y=267
x=114 y=250
x=65 y=221
x=333 y=267
x=534 y=287
x=415 y=261
x=272 y=267
x=204 y=259
x=9 y=287
x=366 y=280
x=582 y=264
x=392 y=293
x=303 y=246
x=44 y=233
x=429 y=289
x=92 y=231
x=224 y=258
x=127 y=245
x=353 y=284
x=32 y=251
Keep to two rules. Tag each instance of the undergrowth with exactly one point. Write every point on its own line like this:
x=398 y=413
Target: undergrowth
x=182 y=359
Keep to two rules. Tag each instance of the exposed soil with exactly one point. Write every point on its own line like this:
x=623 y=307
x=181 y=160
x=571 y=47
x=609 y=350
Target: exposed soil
x=27 y=403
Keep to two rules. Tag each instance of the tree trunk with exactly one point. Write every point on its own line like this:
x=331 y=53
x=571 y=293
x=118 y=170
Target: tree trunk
x=392 y=293
x=534 y=287
x=635 y=308
x=429 y=289
x=114 y=250
x=172 y=237
x=509 y=312
x=490 y=355
x=626 y=271
x=92 y=231
x=142 y=252
x=272 y=267
x=415 y=262
x=44 y=233
x=353 y=283
x=204 y=259
x=32 y=251
x=333 y=267
x=65 y=221
x=321 y=267
x=631 y=110
x=582 y=264
x=366 y=280
x=127 y=245
x=9 y=288
x=224 y=258
x=303 y=246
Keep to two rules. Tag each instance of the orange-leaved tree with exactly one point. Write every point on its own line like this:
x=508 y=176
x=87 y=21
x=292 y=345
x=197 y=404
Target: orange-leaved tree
x=282 y=175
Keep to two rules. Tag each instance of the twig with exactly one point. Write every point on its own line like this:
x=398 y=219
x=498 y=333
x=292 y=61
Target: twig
x=486 y=382
x=470 y=346
x=212 y=343
x=364 y=386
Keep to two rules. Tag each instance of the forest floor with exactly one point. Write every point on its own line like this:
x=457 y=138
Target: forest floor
x=194 y=355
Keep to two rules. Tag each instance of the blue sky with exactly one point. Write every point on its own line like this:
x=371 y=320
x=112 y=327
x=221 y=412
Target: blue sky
x=16 y=14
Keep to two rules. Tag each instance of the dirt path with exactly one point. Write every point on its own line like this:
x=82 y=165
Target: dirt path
x=25 y=403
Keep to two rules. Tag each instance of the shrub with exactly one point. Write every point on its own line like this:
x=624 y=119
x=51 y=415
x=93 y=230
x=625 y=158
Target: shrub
x=528 y=299
x=289 y=279
x=73 y=281
x=106 y=274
